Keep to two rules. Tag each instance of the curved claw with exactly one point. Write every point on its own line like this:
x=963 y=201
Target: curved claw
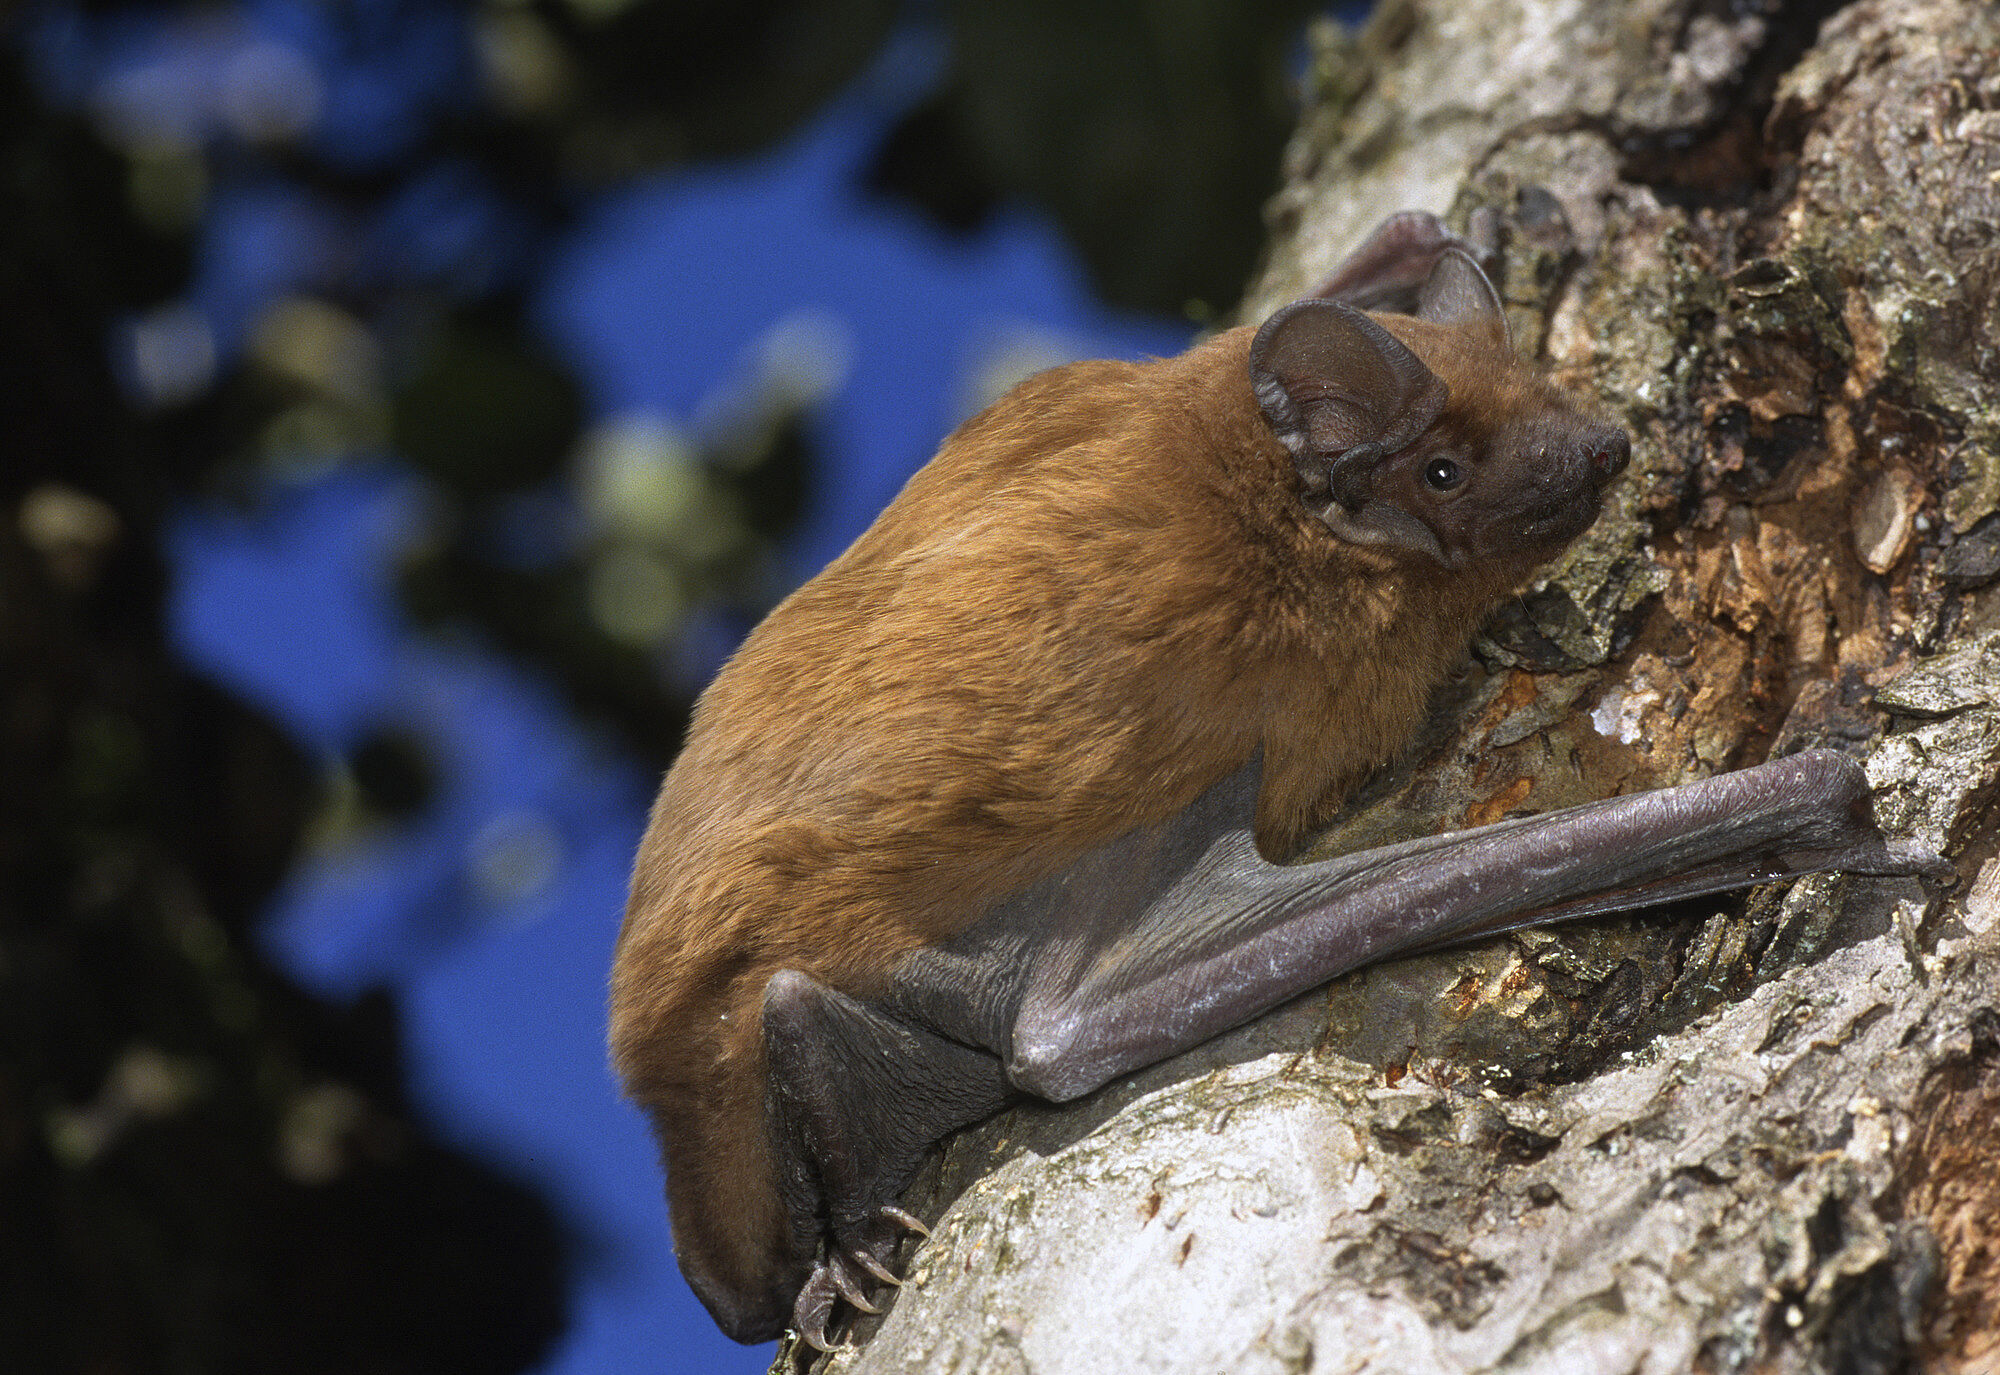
x=813 y=1308
x=909 y=1222
x=846 y=1282
x=866 y=1260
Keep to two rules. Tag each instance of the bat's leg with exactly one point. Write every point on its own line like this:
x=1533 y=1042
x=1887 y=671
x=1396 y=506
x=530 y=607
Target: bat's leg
x=856 y=1097
x=1168 y=938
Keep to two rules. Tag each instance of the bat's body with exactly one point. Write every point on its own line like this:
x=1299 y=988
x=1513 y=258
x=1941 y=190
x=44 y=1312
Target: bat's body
x=989 y=807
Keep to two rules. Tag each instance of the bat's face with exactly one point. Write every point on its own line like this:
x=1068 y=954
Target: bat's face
x=1510 y=486
x=1426 y=433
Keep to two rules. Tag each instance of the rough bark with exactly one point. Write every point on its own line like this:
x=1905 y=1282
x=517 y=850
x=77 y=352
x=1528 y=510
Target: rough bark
x=1733 y=1135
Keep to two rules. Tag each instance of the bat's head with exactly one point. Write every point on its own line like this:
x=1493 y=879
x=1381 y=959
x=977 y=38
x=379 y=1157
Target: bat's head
x=1425 y=432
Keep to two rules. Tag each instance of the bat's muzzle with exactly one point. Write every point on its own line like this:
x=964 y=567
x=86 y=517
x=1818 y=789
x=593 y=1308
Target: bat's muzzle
x=1607 y=450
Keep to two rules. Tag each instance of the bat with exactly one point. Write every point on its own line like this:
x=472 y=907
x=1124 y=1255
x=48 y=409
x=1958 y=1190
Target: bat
x=997 y=804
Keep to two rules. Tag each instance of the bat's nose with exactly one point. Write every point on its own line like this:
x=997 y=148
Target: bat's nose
x=1608 y=450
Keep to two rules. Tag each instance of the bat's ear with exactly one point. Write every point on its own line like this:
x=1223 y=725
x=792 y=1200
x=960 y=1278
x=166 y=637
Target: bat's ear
x=1457 y=293
x=1339 y=391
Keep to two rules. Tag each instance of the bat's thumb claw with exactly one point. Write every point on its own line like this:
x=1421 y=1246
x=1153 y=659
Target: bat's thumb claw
x=1934 y=869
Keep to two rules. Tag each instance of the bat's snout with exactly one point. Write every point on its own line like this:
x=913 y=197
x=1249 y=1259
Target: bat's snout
x=1559 y=490
x=1607 y=450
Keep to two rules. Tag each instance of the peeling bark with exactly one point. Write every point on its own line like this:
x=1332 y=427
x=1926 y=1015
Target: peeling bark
x=1728 y=1136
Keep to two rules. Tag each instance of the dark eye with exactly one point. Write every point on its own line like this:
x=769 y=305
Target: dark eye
x=1443 y=474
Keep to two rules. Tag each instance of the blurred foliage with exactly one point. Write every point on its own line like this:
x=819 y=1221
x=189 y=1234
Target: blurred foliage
x=202 y=1167
x=483 y=415
x=648 y=83
x=1150 y=130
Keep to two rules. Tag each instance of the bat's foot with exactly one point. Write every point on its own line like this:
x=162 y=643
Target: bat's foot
x=858 y=1096
x=852 y=1261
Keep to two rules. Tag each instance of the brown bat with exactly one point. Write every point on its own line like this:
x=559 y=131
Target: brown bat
x=992 y=806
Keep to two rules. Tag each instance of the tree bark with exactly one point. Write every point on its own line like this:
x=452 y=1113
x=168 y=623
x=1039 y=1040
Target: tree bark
x=1732 y=1135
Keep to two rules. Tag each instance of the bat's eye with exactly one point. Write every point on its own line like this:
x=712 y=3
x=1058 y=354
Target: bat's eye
x=1443 y=475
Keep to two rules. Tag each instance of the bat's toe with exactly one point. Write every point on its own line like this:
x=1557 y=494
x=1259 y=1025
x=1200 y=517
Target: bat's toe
x=851 y=1263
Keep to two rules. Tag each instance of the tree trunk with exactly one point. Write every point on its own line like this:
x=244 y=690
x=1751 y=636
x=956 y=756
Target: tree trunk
x=1732 y=1135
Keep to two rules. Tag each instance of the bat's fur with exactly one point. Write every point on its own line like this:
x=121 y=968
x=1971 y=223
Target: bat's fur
x=1101 y=597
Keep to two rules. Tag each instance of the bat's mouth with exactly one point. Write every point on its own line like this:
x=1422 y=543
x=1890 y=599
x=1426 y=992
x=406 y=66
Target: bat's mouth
x=1564 y=523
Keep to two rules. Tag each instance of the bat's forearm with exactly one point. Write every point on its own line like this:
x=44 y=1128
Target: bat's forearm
x=1235 y=936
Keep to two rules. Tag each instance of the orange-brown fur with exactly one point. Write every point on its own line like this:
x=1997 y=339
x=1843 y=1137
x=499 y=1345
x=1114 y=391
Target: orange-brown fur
x=1101 y=597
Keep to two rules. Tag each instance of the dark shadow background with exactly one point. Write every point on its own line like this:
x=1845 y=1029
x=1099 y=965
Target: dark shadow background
x=386 y=466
